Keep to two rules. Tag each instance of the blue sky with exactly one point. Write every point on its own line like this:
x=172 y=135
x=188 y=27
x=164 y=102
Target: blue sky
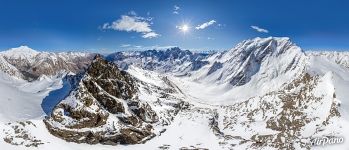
x=111 y=25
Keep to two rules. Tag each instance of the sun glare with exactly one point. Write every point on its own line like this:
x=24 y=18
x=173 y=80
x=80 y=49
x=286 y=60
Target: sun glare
x=184 y=28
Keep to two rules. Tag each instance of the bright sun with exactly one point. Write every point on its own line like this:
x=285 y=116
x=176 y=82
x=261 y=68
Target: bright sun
x=184 y=28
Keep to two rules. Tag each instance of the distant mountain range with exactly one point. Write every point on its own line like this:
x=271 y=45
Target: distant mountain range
x=265 y=93
x=31 y=64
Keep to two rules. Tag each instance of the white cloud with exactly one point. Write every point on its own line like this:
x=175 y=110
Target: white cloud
x=205 y=25
x=125 y=45
x=258 y=29
x=129 y=23
x=133 y=13
x=158 y=47
x=150 y=35
x=132 y=23
x=176 y=9
x=141 y=47
x=221 y=26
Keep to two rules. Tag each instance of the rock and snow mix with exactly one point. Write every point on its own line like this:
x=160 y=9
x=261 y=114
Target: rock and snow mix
x=265 y=93
x=30 y=64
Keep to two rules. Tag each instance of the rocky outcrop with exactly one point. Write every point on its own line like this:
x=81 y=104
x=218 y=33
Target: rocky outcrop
x=104 y=108
x=291 y=116
x=18 y=133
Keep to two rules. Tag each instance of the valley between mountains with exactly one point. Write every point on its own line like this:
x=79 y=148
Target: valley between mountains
x=265 y=93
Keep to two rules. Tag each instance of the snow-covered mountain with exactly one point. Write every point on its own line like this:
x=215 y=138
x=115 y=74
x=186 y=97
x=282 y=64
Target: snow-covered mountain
x=258 y=65
x=9 y=69
x=31 y=64
x=22 y=52
x=173 y=60
x=108 y=108
x=341 y=58
x=265 y=93
x=256 y=57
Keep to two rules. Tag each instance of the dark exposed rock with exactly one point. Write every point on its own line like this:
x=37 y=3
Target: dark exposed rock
x=143 y=111
x=103 y=108
x=18 y=134
x=215 y=67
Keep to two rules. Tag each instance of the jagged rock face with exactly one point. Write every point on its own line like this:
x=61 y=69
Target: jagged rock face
x=64 y=61
x=104 y=108
x=173 y=60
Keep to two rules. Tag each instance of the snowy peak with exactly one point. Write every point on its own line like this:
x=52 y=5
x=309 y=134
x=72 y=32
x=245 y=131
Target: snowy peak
x=259 y=58
x=256 y=56
x=22 y=52
x=255 y=66
x=261 y=47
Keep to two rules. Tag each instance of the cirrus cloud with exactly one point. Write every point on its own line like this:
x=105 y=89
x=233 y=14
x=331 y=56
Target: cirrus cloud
x=258 y=29
x=205 y=25
x=150 y=35
x=125 y=45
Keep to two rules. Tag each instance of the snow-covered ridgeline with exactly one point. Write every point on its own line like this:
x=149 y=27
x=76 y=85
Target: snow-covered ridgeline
x=30 y=64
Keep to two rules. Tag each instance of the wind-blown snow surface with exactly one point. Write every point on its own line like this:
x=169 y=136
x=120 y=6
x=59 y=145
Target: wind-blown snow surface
x=21 y=100
x=259 y=95
x=340 y=80
x=341 y=58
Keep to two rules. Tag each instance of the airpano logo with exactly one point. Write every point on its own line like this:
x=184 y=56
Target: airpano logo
x=323 y=141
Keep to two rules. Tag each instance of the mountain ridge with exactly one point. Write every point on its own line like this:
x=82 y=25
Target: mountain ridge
x=264 y=93
x=32 y=64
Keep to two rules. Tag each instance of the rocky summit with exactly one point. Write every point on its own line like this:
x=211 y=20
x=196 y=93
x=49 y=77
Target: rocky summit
x=104 y=108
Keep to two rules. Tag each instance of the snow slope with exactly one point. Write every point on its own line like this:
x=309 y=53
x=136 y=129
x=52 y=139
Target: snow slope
x=254 y=67
x=265 y=93
x=341 y=58
x=21 y=100
x=323 y=65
